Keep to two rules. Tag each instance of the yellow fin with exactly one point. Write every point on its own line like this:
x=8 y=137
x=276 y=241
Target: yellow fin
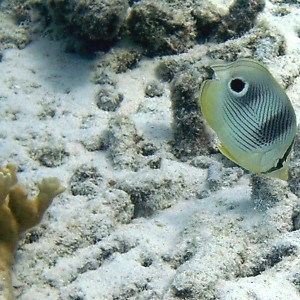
x=209 y=102
x=282 y=173
x=225 y=152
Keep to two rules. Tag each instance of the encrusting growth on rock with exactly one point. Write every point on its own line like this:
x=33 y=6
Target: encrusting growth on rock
x=17 y=214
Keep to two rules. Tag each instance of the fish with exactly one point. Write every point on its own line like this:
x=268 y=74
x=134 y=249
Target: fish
x=251 y=115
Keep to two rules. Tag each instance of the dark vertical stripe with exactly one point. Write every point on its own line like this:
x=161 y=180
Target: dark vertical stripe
x=257 y=119
x=238 y=137
x=243 y=129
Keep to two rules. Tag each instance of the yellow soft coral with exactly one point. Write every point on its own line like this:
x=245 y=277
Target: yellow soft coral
x=17 y=214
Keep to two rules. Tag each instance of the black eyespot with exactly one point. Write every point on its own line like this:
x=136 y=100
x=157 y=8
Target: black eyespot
x=237 y=85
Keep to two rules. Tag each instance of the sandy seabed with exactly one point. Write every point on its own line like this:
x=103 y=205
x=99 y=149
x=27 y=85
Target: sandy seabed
x=135 y=222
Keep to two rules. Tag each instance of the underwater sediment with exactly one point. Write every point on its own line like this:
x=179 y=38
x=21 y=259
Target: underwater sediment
x=103 y=95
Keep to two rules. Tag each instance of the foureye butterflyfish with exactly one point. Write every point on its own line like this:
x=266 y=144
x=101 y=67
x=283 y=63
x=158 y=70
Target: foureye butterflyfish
x=251 y=115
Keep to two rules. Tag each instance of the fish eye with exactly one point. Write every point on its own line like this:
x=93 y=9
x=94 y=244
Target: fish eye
x=238 y=86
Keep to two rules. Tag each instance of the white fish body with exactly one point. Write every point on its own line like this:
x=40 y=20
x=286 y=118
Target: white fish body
x=251 y=115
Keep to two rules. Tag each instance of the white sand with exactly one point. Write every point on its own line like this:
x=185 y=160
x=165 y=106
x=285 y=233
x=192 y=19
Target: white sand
x=89 y=246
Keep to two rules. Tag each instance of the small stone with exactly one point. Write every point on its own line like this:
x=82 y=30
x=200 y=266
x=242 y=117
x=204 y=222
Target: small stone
x=154 y=89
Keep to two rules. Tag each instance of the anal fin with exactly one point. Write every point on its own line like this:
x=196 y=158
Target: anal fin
x=225 y=152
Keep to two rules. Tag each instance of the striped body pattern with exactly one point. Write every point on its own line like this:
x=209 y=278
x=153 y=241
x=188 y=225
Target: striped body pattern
x=251 y=115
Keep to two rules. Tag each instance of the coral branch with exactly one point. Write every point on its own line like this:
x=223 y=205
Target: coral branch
x=17 y=214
